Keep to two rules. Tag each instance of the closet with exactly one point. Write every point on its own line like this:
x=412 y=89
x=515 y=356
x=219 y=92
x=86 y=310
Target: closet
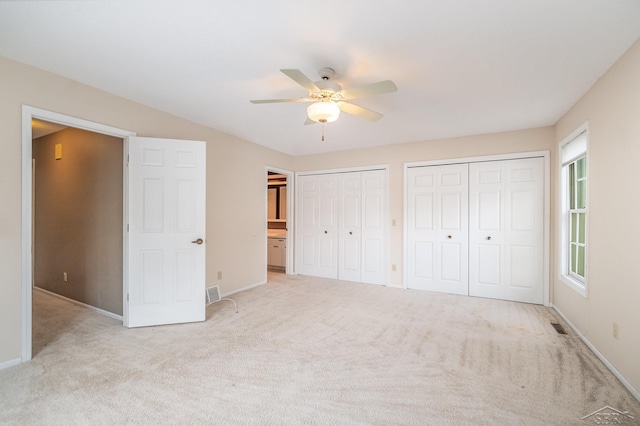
x=341 y=226
x=477 y=229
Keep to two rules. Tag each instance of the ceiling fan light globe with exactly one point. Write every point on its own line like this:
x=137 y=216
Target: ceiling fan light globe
x=323 y=112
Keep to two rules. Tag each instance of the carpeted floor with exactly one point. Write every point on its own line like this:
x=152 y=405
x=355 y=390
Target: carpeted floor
x=316 y=352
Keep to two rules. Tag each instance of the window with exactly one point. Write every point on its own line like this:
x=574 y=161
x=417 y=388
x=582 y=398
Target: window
x=574 y=210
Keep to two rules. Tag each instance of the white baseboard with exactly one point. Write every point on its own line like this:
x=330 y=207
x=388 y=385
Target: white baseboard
x=249 y=287
x=602 y=358
x=394 y=286
x=75 y=302
x=10 y=363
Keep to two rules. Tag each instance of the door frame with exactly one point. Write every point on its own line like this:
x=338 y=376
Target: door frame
x=290 y=219
x=29 y=113
x=546 y=155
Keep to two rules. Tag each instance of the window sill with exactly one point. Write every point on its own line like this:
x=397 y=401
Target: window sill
x=579 y=287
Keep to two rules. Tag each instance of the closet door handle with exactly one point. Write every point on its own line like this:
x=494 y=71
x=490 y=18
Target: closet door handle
x=350 y=233
x=489 y=237
x=449 y=236
x=325 y=232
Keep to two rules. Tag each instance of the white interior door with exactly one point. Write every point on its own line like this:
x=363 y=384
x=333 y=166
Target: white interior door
x=437 y=207
x=373 y=230
x=350 y=223
x=317 y=226
x=506 y=230
x=166 y=218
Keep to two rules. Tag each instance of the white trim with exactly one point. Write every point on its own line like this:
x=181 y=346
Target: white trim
x=84 y=305
x=290 y=221
x=478 y=159
x=10 y=363
x=600 y=356
x=405 y=228
x=387 y=231
x=344 y=170
x=245 y=288
x=562 y=251
x=546 y=155
x=29 y=113
x=395 y=286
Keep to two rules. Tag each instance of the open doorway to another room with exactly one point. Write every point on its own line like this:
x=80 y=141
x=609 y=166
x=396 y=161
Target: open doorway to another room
x=77 y=227
x=278 y=223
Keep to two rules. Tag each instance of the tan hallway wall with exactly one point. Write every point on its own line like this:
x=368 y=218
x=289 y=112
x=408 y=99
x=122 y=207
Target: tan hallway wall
x=78 y=217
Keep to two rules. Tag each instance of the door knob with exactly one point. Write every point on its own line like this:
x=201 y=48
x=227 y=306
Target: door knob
x=449 y=236
x=198 y=241
x=489 y=237
x=325 y=232
x=350 y=233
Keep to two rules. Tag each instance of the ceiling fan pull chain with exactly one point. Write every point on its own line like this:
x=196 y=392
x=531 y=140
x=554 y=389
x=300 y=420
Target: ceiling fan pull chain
x=322 y=132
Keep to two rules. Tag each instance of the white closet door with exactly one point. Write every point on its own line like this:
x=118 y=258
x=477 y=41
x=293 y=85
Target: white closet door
x=506 y=230
x=350 y=220
x=373 y=229
x=317 y=236
x=437 y=205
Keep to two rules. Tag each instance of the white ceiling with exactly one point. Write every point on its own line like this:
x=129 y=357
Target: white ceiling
x=462 y=67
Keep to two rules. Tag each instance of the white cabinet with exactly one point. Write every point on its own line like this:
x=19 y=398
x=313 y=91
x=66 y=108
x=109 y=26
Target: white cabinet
x=477 y=229
x=277 y=252
x=342 y=226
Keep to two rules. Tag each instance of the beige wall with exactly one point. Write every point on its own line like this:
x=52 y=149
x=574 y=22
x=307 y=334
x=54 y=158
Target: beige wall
x=612 y=108
x=78 y=217
x=395 y=156
x=236 y=176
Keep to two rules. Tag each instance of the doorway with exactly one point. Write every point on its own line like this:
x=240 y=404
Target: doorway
x=28 y=115
x=279 y=218
x=77 y=215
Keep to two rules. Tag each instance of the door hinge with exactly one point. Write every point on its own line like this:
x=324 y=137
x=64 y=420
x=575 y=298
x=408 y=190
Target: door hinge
x=127 y=227
x=127 y=297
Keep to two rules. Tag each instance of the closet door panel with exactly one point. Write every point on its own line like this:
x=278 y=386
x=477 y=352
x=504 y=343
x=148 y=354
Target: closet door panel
x=506 y=235
x=437 y=204
x=317 y=231
x=373 y=227
x=350 y=219
x=341 y=226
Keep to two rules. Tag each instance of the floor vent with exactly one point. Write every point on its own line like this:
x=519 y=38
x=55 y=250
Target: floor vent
x=558 y=328
x=213 y=296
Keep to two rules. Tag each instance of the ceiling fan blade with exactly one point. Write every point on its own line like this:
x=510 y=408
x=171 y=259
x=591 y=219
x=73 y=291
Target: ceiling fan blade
x=378 y=88
x=359 y=111
x=309 y=121
x=272 y=101
x=301 y=79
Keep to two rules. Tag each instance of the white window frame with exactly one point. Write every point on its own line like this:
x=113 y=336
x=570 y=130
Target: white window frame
x=566 y=156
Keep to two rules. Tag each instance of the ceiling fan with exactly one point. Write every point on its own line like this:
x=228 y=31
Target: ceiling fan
x=329 y=98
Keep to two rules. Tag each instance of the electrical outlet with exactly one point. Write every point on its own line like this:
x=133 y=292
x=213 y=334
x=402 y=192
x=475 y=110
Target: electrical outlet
x=393 y=267
x=616 y=330
x=219 y=275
